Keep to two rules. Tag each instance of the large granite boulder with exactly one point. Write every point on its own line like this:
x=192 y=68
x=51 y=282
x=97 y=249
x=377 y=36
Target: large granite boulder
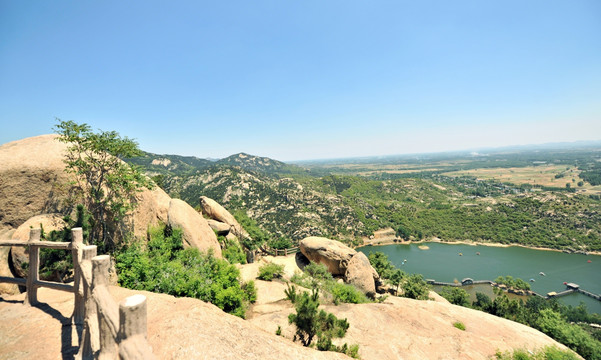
x=19 y=254
x=151 y=209
x=215 y=211
x=6 y=288
x=360 y=273
x=333 y=254
x=32 y=179
x=220 y=227
x=196 y=231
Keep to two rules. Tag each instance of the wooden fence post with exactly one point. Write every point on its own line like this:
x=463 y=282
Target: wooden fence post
x=76 y=249
x=100 y=273
x=89 y=340
x=133 y=327
x=33 y=273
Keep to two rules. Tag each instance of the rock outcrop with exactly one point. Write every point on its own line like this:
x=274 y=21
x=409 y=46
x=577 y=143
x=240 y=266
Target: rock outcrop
x=196 y=232
x=32 y=179
x=341 y=260
x=220 y=227
x=360 y=273
x=151 y=210
x=212 y=209
x=333 y=254
x=6 y=288
x=19 y=254
x=178 y=328
x=184 y=328
x=33 y=182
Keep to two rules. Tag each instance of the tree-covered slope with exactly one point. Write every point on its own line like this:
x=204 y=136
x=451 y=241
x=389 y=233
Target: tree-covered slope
x=421 y=207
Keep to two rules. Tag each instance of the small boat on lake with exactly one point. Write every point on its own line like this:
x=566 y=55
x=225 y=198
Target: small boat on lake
x=460 y=254
x=542 y=274
x=589 y=261
x=478 y=253
x=532 y=280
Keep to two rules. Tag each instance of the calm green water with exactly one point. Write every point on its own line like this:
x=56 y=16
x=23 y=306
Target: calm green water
x=443 y=263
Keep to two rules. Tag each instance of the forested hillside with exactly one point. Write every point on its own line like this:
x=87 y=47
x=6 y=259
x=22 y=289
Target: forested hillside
x=291 y=202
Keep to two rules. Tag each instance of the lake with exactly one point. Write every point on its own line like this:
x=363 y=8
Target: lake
x=442 y=262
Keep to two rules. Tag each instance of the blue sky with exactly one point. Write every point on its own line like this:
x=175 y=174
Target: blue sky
x=305 y=79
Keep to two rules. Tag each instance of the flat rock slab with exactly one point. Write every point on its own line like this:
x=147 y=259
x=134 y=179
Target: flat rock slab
x=178 y=328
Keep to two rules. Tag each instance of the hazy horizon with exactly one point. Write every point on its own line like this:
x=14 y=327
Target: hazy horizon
x=305 y=81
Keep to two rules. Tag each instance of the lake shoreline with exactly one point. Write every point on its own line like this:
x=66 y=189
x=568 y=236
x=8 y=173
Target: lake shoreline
x=470 y=243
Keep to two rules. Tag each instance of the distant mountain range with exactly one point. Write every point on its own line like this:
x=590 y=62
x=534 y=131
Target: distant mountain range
x=155 y=164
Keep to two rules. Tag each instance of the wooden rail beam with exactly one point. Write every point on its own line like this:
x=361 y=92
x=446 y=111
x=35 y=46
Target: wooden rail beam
x=45 y=244
x=54 y=285
x=11 y=280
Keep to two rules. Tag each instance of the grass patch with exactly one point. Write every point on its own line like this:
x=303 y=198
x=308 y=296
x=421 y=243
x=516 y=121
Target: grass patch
x=459 y=325
x=547 y=353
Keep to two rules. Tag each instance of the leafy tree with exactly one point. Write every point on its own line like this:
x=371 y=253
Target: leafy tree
x=280 y=243
x=415 y=287
x=396 y=278
x=483 y=302
x=456 y=295
x=381 y=264
x=106 y=184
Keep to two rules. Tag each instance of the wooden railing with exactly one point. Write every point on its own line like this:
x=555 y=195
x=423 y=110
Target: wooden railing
x=110 y=330
x=284 y=252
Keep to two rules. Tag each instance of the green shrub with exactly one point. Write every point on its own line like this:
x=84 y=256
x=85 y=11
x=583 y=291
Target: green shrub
x=311 y=322
x=318 y=271
x=459 y=325
x=291 y=293
x=257 y=235
x=233 y=253
x=269 y=271
x=57 y=264
x=164 y=266
x=345 y=293
x=250 y=291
